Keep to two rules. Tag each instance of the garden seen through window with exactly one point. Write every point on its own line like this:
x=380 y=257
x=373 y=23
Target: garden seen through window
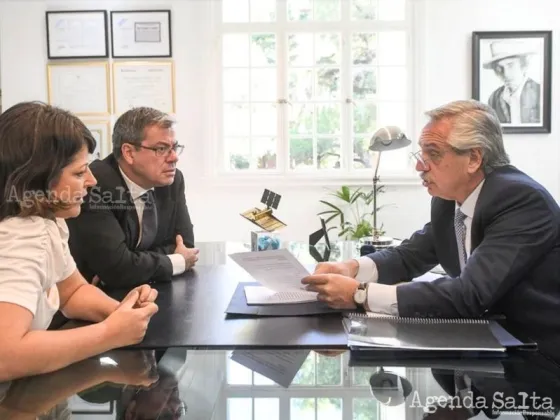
x=305 y=83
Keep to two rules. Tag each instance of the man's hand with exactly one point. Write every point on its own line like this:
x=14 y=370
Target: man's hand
x=189 y=254
x=145 y=295
x=346 y=268
x=335 y=290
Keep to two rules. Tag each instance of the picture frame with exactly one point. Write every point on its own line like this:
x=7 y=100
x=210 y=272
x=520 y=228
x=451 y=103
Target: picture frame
x=68 y=83
x=141 y=34
x=101 y=131
x=144 y=83
x=73 y=34
x=512 y=72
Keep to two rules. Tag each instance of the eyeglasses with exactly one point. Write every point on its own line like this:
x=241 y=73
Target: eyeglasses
x=424 y=158
x=165 y=150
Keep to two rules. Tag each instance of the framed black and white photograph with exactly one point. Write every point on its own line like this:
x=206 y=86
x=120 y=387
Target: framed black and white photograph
x=141 y=33
x=511 y=72
x=77 y=34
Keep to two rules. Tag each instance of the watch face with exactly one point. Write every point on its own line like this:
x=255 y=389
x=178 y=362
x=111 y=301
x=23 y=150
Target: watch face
x=360 y=296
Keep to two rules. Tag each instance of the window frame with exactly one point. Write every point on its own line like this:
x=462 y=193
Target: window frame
x=283 y=175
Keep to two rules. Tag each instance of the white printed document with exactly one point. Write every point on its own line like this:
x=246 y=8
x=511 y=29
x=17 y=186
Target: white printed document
x=279 y=273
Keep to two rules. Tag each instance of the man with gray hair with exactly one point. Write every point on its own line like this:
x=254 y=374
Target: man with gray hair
x=135 y=226
x=494 y=230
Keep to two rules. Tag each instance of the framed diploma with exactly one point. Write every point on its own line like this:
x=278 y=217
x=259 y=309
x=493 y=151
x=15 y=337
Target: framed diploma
x=141 y=33
x=77 y=34
x=81 y=88
x=147 y=83
x=102 y=134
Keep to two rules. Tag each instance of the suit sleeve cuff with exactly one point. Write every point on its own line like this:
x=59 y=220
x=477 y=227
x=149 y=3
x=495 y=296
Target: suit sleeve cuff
x=178 y=263
x=367 y=270
x=382 y=298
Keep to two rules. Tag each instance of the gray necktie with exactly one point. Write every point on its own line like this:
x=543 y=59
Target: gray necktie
x=149 y=221
x=461 y=235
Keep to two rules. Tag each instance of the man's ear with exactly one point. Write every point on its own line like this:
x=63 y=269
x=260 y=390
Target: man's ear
x=475 y=160
x=127 y=153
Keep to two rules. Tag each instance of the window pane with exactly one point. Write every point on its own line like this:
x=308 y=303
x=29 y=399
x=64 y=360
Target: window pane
x=237 y=374
x=362 y=156
x=263 y=85
x=328 y=370
x=328 y=118
x=263 y=49
x=328 y=84
x=328 y=157
x=392 y=83
x=360 y=376
x=235 y=50
x=263 y=10
x=363 y=9
x=302 y=408
x=364 y=117
x=263 y=119
x=300 y=49
x=300 y=9
x=263 y=162
x=392 y=9
x=329 y=409
x=239 y=409
x=364 y=409
x=300 y=84
x=301 y=156
x=306 y=374
x=364 y=48
x=327 y=10
x=392 y=48
x=264 y=151
x=235 y=10
x=364 y=84
x=267 y=409
x=301 y=119
x=239 y=156
x=327 y=48
x=392 y=113
x=236 y=119
x=236 y=85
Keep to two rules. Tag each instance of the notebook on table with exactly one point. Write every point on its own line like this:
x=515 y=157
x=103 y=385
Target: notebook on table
x=482 y=337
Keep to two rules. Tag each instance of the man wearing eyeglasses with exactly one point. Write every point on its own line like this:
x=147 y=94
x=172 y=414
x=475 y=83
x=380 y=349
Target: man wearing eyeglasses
x=494 y=230
x=135 y=226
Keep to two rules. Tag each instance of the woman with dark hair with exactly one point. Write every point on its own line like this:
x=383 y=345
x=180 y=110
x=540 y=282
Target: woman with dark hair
x=44 y=176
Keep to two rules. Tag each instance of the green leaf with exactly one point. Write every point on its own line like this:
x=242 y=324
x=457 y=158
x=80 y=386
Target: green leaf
x=331 y=205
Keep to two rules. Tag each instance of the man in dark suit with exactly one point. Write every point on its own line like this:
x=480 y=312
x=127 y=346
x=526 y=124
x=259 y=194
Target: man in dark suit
x=135 y=226
x=494 y=230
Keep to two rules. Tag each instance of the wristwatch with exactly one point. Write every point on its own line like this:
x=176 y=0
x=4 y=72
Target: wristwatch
x=360 y=295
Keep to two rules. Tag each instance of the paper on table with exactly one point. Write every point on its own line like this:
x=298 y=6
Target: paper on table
x=280 y=366
x=260 y=295
x=277 y=270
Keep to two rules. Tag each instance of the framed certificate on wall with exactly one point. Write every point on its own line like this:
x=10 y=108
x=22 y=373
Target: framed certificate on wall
x=77 y=34
x=81 y=88
x=141 y=33
x=143 y=83
x=100 y=130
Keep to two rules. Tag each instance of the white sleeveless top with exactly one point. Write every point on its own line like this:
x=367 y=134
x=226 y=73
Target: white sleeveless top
x=34 y=256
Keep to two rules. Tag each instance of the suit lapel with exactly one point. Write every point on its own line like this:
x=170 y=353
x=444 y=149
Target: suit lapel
x=444 y=225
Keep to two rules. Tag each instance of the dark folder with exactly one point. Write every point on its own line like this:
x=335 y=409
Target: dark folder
x=238 y=306
x=421 y=335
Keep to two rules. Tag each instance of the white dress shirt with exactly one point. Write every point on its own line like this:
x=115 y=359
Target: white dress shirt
x=382 y=298
x=136 y=191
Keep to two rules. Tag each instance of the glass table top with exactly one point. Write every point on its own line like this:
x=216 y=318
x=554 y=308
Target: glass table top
x=283 y=385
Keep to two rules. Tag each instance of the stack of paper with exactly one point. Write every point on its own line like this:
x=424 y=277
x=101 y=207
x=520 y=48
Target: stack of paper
x=279 y=273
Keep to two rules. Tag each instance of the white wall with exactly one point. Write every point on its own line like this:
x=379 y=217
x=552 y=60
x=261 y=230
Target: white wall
x=442 y=73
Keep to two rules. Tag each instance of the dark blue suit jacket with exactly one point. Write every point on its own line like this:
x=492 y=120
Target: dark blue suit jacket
x=513 y=268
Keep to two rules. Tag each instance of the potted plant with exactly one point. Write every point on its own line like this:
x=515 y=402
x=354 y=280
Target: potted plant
x=352 y=210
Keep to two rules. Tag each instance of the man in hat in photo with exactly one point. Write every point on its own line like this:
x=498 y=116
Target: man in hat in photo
x=518 y=100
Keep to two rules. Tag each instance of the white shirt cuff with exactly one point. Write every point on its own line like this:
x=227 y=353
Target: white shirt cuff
x=178 y=263
x=367 y=270
x=382 y=298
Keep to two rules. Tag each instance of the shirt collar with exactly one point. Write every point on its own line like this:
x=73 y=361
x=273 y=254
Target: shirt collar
x=468 y=206
x=136 y=190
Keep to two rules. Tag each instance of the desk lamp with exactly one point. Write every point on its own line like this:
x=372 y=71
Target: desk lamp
x=383 y=140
